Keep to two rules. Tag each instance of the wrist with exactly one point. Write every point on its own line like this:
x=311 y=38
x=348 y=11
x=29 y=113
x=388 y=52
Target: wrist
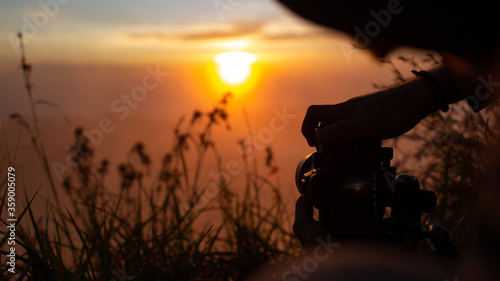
x=450 y=84
x=439 y=88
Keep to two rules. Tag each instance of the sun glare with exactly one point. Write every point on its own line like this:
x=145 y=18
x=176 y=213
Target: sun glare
x=234 y=68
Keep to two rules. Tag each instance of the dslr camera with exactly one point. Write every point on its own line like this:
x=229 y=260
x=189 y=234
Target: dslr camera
x=351 y=186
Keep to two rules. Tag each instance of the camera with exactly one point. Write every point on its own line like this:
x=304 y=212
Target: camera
x=351 y=185
x=346 y=184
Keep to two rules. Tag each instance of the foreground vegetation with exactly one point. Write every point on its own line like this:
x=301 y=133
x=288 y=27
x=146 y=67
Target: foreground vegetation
x=167 y=224
x=178 y=228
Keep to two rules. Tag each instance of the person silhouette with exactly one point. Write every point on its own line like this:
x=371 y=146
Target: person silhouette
x=464 y=33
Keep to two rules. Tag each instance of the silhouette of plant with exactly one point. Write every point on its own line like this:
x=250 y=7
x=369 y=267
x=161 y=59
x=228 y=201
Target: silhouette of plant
x=172 y=224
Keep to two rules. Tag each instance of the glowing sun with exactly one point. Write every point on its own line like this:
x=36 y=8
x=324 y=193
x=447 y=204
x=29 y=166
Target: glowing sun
x=234 y=68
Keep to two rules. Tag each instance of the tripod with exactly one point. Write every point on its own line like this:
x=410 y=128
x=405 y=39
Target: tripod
x=407 y=203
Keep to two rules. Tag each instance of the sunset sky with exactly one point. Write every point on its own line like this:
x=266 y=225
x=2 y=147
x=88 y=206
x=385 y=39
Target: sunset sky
x=87 y=54
x=136 y=32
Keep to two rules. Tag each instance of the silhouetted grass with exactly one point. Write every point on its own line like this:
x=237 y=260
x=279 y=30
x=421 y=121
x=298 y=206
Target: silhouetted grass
x=175 y=229
x=169 y=224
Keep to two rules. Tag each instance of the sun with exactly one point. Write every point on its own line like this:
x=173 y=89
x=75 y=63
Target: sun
x=235 y=67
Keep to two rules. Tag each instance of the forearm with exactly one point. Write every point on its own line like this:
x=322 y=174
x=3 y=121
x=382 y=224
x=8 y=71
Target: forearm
x=419 y=95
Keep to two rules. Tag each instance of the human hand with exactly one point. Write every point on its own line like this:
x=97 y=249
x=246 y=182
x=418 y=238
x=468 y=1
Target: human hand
x=306 y=228
x=381 y=115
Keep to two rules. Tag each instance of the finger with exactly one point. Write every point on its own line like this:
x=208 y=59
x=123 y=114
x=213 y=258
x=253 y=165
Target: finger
x=303 y=218
x=305 y=227
x=345 y=131
x=316 y=114
x=303 y=209
x=303 y=221
x=310 y=123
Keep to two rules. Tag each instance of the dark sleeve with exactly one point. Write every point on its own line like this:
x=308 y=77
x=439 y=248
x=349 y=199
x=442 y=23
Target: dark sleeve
x=465 y=28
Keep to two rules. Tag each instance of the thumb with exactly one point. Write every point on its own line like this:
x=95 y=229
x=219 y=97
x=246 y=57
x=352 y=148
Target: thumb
x=305 y=227
x=303 y=209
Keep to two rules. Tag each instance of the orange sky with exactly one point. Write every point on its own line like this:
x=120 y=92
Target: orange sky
x=285 y=83
x=86 y=67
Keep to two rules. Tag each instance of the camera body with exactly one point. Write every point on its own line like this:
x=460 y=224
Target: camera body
x=352 y=184
x=346 y=184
